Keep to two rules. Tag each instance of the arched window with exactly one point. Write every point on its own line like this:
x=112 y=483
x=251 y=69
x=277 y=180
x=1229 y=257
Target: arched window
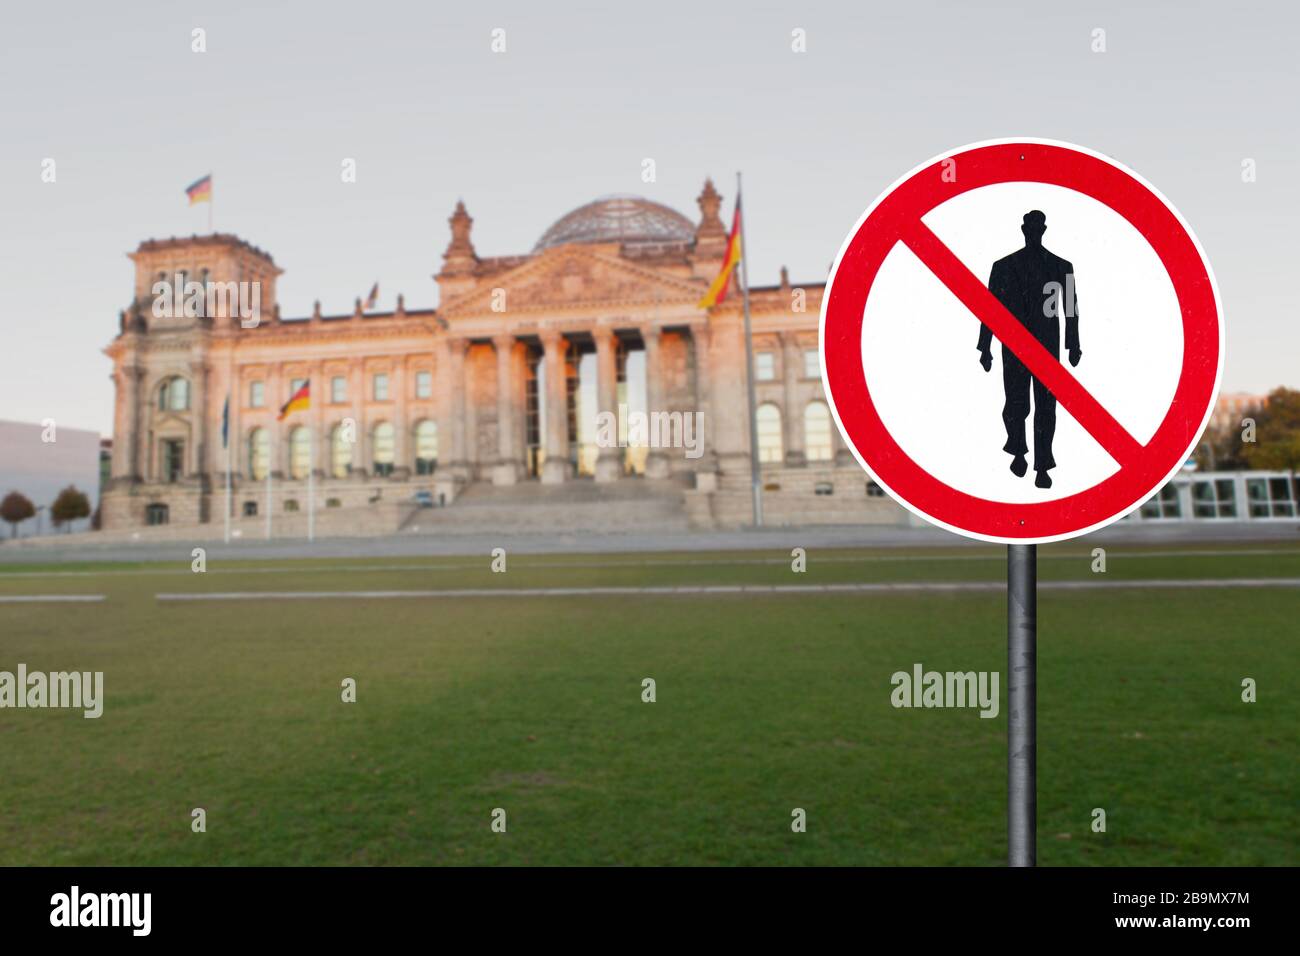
x=174 y=395
x=299 y=452
x=340 y=452
x=770 y=448
x=817 y=432
x=426 y=447
x=382 y=443
x=259 y=453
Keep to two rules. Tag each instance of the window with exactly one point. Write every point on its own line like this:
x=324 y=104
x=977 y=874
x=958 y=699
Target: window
x=1269 y=497
x=817 y=432
x=294 y=385
x=426 y=447
x=424 y=384
x=338 y=390
x=299 y=453
x=823 y=488
x=1283 y=504
x=250 y=509
x=174 y=395
x=382 y=440
x=874 y=490
x=1163 y=505
x=173 y=459
x=259 y=453
x=333 y=503
x=812 y=366
x=1214 y=498
x=256 y=394
x=765 y=366
x=340 y=452
x=381 y=386
x=769 y=434
x=291 y=504
x=155 y=514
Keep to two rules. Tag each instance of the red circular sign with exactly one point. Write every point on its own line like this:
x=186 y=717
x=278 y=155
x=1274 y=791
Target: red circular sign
x=896 y=217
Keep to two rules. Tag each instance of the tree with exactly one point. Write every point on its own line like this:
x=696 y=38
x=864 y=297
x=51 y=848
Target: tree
x=15 y=509
x=1222 y=448
x=1277 y=435
x=70 y=505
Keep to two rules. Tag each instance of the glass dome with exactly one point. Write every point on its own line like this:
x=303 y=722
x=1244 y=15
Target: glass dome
x=626 y=219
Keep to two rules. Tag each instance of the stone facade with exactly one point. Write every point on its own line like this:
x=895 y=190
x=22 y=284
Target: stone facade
x=491 y=388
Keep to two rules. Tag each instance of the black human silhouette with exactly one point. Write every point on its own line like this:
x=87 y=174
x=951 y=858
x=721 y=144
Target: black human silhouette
x=1036 y=286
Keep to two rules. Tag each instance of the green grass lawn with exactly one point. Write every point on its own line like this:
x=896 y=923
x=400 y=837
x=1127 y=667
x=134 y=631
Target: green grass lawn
x=765 y=703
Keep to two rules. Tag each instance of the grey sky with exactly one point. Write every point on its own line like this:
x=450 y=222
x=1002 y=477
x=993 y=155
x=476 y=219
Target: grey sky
x=584 y=93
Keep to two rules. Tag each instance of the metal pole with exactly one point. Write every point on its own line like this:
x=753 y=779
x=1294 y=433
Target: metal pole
x=272 y=441
x=227 y=483
x=230 y=394
x=311 y=485
x=1022 y=704
x=755 y=470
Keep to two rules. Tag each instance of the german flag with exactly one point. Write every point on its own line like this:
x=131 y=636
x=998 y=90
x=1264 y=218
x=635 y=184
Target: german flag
x=299 y=399
x=718 y=291
x=200 y=190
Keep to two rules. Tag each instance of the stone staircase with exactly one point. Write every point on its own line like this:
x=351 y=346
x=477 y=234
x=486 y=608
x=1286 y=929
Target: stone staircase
x=627 y=505
x=790 y=498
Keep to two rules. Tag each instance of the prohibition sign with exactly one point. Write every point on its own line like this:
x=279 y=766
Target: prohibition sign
x=896 y=217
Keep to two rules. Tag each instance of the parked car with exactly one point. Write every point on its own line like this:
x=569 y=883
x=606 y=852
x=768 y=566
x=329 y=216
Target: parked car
x=423 y=498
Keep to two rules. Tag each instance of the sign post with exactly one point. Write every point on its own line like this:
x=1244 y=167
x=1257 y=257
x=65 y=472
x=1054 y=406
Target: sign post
x=1022 y=704
x=907 y=310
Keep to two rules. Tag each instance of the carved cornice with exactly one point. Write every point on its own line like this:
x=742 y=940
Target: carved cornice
x=549 y=271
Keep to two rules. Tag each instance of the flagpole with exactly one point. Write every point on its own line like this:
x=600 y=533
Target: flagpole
x=270 y=468
x=225 y=426
x=754 y=466
x=227 y=522
x=212 y=201
x=311 y=484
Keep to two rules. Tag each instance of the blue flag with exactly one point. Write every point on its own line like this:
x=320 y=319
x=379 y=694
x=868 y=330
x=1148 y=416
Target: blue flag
x=225 y=423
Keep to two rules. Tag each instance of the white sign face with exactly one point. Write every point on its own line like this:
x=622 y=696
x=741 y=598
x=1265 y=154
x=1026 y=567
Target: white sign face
x=920 y=354
x=1035 y=341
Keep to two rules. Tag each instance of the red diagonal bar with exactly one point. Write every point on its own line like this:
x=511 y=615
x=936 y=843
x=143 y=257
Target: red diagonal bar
x=1006 y=328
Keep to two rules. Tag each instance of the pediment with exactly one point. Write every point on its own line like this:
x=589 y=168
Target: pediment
x=571 y=276
x=171 y=424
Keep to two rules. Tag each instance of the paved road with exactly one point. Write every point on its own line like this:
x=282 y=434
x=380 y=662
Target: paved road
x=776 y=539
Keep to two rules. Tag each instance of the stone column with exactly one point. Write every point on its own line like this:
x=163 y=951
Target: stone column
x=442 y=402
x=398 y=393
x=357 y=402
x=557 y=468
x=126 y=452
x=507 y=469
x=319 y=440
x=274 y=429
x=706 y=464
x=609 y=457
x=238 y=447
x=456 y=349
x=792 y=367
x=197 y=466
x=656 y=462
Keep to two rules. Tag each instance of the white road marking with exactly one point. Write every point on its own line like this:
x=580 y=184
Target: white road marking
x=881 y=587
x=50 y=598
x=815 y=556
